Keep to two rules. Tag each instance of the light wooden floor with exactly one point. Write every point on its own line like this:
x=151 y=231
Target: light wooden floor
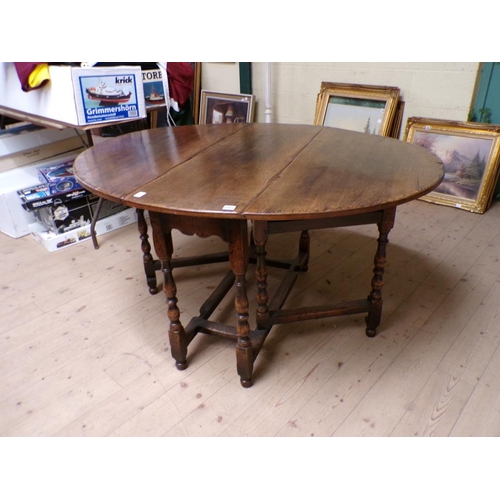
x=84 y=347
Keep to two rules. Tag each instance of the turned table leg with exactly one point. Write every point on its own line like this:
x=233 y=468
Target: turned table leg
x=148 y=261
x=375 y=298
x=176 y=334
x=260 y=239
x=238 y=262
x=244 y=352
x=162 y=237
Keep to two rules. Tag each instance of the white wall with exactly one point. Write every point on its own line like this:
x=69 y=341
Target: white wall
x=220 y=77
x=432 y=90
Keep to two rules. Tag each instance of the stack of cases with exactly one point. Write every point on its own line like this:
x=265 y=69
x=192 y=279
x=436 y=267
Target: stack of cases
x=63 y=207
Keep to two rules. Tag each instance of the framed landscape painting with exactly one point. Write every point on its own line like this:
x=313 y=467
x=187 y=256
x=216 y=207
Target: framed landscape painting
x=217 y=107
x=363 y=108
x=470 y=154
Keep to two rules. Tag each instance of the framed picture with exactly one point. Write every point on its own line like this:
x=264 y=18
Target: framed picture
x=217 y=107
x=398 y=120
x=362 y=108
x=470 y=153
x=196 y=91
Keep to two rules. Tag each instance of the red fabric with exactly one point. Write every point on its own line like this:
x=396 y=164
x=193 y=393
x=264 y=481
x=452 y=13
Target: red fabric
x=24 y=70
x=180 y=81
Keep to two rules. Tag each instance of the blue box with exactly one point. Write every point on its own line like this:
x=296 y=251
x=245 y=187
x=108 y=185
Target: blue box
x=59 y=177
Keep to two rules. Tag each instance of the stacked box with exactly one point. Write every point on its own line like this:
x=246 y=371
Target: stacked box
x=24 y=144
x=60 y=177
x=14 y=219
x=53 y=242
x=60 y=186
x=40 y=196
x=72 y=214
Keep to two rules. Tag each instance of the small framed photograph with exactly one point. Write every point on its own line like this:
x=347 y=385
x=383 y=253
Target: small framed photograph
x=217 y=107
x=470 y=154
x=363 y=108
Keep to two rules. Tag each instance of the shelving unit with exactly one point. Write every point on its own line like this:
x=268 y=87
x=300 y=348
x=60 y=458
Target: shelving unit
x=56 y=124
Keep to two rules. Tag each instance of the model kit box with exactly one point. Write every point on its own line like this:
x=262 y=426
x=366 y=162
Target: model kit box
x=53 y=241
x=64 y=217
x=104 y=94
x=60 y=177
x=39 y=196
x=152 y=82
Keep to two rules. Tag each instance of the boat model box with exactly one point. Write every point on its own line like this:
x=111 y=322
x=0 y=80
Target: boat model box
x=62 y=217
x=104 y=94
x=60 y=177
x=154 y=93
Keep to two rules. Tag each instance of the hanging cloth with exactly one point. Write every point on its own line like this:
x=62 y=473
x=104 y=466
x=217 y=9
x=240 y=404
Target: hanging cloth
x=32 y=75
x=180 y=81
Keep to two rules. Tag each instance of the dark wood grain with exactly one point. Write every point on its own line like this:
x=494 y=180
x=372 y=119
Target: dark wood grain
x=268 y=171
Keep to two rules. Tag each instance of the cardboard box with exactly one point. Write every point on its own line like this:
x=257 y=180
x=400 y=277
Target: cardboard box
x=36 y=197
x=16 y=139
x=154 y=92
x=53 y=242
x=107 y=94
x=14 y=220
x=40 y=153
x=60 y=177
x=65 y=98
x=64 y=217
x=26 y=144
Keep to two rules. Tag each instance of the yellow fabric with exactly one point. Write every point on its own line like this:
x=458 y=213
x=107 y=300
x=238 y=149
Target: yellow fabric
x=39 y=75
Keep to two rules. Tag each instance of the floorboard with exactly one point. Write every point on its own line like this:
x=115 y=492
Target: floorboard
x=84 y=347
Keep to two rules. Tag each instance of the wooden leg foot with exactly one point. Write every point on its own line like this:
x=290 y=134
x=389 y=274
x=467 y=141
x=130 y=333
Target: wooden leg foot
x=181 y=365
x=246 y=383
x=373 y=320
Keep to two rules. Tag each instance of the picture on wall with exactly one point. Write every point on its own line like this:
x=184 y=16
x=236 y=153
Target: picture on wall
x=370 y=109
x=470 y=154
x=217 y=107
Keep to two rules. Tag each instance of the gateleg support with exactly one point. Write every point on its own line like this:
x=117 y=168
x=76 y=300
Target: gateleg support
x=375 y=298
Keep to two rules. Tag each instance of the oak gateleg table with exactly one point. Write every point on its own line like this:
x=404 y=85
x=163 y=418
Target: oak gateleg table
x=210 y=180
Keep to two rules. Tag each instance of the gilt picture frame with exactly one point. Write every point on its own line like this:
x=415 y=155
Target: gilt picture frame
x=219 y=107
x=397 y=123
x=362 y=108
x=470 y=153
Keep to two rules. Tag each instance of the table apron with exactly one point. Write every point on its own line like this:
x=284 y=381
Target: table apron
x=276 y=227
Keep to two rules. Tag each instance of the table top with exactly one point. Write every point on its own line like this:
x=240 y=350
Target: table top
x=258 y=171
